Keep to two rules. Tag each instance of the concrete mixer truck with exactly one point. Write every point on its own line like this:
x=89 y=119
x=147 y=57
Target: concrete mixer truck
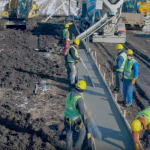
x=101 y=21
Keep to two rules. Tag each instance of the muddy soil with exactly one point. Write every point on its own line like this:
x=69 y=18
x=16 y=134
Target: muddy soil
x=33 y=89
x=106 y=53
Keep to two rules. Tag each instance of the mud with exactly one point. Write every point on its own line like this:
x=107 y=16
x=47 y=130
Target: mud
x=33 y=88
x=106 y=54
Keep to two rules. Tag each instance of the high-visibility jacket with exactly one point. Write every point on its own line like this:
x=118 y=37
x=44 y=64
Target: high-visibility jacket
x=69 y=57
x=128 y=72
x=24 y=4
x=70 y=107
x=124 y=55
x=146 y=114
x=64 y=35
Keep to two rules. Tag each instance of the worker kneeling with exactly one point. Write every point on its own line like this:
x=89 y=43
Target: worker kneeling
x=119 y=67
x=142 y=121
x=73 y=58
x=74 y=115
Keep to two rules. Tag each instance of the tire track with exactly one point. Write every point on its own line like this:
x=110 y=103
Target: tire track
x=138 y=92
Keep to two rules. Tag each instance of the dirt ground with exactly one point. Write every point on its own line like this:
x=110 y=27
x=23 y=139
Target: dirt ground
x=139 y=43
x=33 y=88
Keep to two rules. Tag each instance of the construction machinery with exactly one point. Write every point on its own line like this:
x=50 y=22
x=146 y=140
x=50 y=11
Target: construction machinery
x=133 y=12
x=101 y=21
x=19 y=12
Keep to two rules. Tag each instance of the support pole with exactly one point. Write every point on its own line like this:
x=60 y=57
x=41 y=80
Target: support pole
x=124 y=113
x=92 y=54
x=99 y=67
x=112 y=78
x=115 y=97
x=104 y=76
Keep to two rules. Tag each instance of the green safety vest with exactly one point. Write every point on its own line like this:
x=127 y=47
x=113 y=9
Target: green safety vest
x=69 y=57
x=24 y=4
x=128 y=72
x=146 y=114
x=70 y=108
x=124 y=55
x=64 y=34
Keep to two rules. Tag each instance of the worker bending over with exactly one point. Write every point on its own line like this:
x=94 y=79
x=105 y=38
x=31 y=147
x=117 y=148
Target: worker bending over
x=74 y=115
x=141 y=122
x=129 y=77
x=66 y=42
x=119 y=67
x=73 y=58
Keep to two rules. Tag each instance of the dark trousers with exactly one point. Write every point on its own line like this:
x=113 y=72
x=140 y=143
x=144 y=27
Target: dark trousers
x=67 y=67
x=128 y=90
x=69 y=136
x=147 y=138
x=73 y=73
x=119 y=83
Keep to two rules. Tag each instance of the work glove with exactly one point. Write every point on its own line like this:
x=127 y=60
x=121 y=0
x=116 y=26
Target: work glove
x=133 y=81
x=122 y=78
x=80 y=59
x=136 y=147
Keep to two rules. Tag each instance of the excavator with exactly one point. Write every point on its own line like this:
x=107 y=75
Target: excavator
x=19 y=12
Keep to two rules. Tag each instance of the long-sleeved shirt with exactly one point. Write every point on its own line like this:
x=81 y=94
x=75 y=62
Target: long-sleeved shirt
x=72 y=53
x=80 y=103
x=119 y=61
x=135 y=69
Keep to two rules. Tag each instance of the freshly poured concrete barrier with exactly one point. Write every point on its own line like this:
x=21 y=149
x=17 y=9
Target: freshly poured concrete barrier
x=106 y=125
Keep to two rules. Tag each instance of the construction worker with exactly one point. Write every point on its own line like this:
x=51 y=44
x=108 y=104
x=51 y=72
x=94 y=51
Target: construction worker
x=73 y=58
x=74 y=115
x=66 y=42
x=24 y=4
x=119 y=67
x=129 y=77
x=141 y=122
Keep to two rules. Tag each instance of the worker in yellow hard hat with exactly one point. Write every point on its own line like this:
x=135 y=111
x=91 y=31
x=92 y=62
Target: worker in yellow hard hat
x=74 y=115
x=130 y=74
x=119 y=67
x=66 y=42
x=142 y=121
x=73 y=58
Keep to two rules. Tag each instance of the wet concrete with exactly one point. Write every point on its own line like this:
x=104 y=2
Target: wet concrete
x=111 y=131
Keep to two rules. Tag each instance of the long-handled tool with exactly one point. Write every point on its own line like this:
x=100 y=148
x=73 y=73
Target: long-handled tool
x=55 y=11
x=87 y=72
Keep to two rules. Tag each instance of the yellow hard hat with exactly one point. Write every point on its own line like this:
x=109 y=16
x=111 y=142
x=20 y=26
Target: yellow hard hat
x=136 y=126
x=66 y=25
x=130 y=52
x=77 y=41
x=81 y=85
x=119 y=46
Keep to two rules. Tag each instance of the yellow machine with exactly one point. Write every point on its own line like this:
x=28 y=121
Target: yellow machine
x=133 y=12
x=18 y=12
x=143 y=7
